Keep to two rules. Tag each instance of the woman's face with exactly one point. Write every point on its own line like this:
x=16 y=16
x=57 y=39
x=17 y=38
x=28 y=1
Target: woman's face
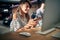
x=25 y=7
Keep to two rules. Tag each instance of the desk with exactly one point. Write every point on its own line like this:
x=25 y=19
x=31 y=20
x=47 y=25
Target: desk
x=16 y=36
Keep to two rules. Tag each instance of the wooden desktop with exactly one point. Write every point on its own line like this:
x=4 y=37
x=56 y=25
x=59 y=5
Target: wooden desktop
x=34 y=36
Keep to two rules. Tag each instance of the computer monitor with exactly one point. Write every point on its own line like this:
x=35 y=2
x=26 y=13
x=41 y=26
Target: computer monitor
x=50 y=17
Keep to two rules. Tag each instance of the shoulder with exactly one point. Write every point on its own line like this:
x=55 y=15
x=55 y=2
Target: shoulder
x=14 y=22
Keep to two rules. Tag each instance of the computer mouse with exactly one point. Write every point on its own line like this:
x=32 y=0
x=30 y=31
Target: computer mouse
x=27 y=34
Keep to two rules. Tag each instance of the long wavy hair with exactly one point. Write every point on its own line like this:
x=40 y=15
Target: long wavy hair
x=15 y=12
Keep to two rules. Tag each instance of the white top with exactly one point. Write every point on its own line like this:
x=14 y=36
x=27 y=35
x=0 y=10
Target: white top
x=17 y=23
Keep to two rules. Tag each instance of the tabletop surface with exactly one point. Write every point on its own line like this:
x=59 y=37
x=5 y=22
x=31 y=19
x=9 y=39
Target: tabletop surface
x=34 y=36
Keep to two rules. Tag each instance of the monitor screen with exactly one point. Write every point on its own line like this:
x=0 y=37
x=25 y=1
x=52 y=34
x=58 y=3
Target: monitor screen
x=51 y=15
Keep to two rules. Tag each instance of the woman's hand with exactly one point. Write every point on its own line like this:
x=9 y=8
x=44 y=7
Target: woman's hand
x=31 y=23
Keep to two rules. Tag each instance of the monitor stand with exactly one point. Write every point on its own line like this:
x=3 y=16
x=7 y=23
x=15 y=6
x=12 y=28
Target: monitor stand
x=57 y=35
x=45 y=32
x=57 y=25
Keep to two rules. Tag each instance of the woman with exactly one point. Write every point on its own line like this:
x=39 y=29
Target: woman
x=21 y=19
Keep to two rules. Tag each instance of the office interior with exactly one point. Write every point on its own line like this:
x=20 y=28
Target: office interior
x=50 y=29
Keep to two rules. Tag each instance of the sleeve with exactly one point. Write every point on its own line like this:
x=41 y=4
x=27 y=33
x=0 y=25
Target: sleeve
x=14 y=25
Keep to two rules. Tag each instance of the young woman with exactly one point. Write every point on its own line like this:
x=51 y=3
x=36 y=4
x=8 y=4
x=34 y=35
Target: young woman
x=21 y=19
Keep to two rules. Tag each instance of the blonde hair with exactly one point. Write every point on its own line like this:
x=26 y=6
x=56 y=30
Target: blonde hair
x=16 y=10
